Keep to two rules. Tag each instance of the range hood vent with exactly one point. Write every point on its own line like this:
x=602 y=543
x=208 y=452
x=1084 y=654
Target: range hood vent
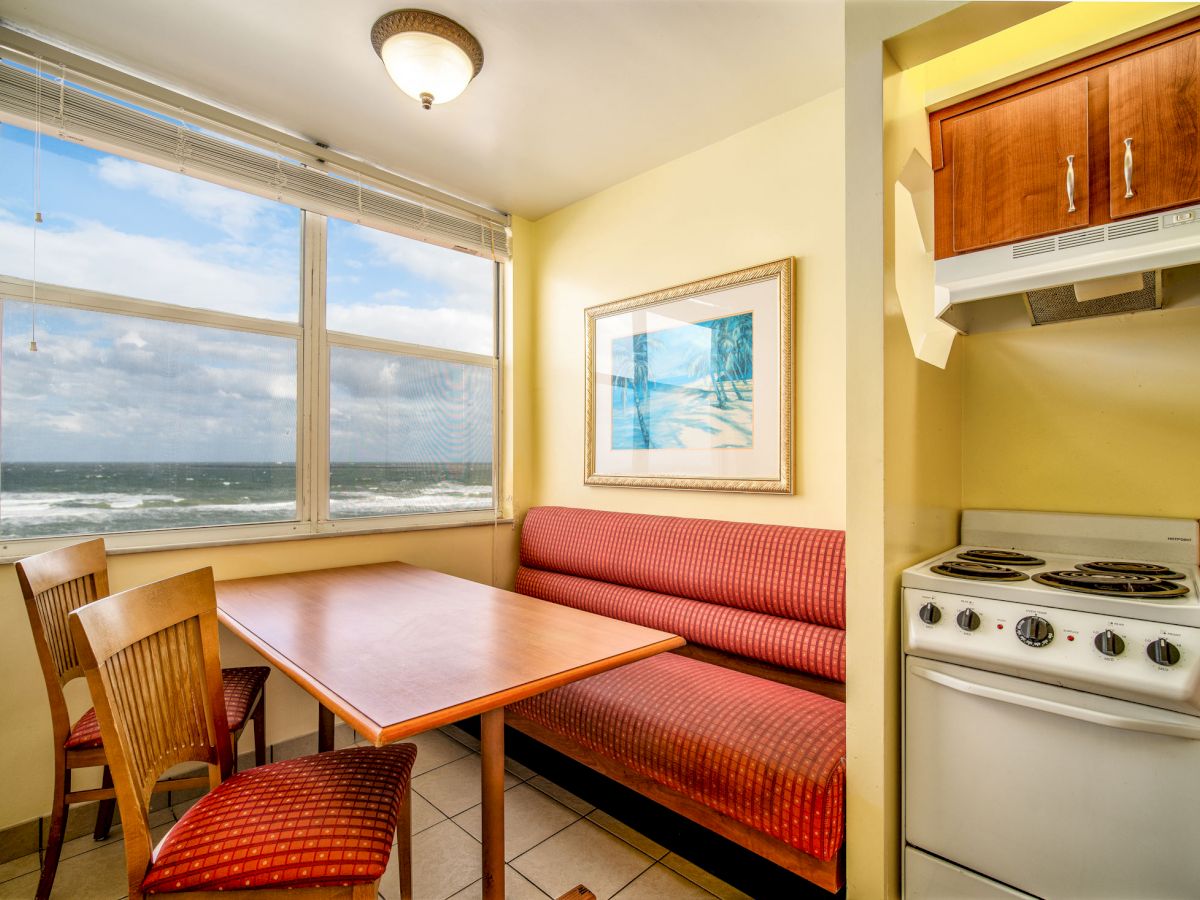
x=1099 y=271
x=1061 y=304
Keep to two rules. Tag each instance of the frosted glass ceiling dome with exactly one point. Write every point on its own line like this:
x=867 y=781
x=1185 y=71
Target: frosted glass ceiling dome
x=430 y=57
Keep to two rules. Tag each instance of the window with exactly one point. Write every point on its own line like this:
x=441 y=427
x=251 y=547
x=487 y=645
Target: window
x=408 y=432
x=188 y=373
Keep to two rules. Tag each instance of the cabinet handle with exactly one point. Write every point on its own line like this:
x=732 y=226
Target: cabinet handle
x=1128 y=168
x=1071 y=183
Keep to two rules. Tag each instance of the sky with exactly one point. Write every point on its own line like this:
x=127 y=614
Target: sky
x=114 y=388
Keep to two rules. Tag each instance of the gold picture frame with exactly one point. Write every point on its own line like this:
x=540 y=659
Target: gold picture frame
x=658 y=429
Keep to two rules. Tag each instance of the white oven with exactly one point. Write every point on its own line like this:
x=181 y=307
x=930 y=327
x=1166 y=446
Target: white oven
x=1054 y=792
x=1051 y=731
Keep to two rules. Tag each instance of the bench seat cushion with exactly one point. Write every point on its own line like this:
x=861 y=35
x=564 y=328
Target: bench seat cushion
x=780 y=570
x=762 y=753
x=817 y=649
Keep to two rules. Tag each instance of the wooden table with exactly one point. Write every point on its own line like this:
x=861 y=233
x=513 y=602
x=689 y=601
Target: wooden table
x=395 y=650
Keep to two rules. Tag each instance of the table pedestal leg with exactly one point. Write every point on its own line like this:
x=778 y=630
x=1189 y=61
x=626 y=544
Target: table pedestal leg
x=324 y=729
x=491 y=739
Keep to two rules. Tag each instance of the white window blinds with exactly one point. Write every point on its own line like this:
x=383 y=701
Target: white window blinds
x=59 y=107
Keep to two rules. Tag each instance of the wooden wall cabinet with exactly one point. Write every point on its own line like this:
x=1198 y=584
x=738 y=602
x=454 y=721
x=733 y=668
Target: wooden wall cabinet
x=1154 y=129
x=1113 y=135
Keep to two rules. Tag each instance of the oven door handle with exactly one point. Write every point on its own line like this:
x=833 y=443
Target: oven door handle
x=1095 y=716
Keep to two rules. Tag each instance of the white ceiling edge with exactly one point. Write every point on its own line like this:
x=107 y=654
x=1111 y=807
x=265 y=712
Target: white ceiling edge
x=574 y=97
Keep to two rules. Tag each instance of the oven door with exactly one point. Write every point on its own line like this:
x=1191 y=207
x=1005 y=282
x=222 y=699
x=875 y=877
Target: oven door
x=1056 y=792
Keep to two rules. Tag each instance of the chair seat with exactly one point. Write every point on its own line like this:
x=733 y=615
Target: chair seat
x=768 y=755
x=242 y=686
x=316 y=821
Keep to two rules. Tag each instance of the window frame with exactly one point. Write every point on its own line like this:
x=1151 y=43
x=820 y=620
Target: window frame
x=312 y=406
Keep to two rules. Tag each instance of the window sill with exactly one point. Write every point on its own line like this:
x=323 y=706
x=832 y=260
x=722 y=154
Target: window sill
x=123 y=543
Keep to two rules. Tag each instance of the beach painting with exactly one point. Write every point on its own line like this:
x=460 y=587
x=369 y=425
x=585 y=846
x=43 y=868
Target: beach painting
x=690 y=386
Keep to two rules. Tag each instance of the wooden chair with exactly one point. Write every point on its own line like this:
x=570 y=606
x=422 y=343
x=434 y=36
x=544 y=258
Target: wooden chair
x=54 y=584
x=315 y=827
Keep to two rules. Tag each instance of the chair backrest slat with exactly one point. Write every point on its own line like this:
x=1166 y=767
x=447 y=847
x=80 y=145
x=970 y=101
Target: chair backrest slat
x=54 y=584
x=152 y=660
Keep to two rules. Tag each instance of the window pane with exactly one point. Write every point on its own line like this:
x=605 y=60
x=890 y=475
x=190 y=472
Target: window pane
x=120 y=423
x=123 y=227
x=408 y=435
x=386 y=286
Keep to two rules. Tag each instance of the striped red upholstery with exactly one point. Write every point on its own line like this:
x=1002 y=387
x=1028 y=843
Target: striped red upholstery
x=816 y=649
x=765 y=754
x=321 y=820
x=85 y=734
x=794 y=573
x=242 y=686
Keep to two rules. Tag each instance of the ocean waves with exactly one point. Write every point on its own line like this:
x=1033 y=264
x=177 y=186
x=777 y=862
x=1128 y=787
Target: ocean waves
x=46 y=499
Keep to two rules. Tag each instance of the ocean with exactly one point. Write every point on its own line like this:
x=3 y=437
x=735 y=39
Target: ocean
x=47 y=498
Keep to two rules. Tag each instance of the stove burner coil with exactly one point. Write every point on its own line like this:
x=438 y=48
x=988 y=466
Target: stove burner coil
x=1001 y=557
x=1113 y=584
x=978 y=571
x=1131 y=568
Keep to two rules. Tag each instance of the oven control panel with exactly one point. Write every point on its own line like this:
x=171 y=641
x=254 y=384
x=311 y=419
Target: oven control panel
x=1131 y=659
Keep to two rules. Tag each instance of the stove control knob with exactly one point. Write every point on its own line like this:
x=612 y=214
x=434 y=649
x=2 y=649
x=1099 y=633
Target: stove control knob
x=1109 y=643
x=1034 y=631
x=1163 y=652
x=968 y=620
x=930 y=614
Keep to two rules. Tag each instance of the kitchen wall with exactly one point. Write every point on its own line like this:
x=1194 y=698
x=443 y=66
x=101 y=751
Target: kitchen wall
x=771 y=191
x=1099 y=415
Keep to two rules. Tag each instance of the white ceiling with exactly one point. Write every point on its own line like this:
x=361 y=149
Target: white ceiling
x=574 y=96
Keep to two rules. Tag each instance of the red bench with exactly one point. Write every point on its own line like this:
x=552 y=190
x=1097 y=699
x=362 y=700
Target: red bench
x=743 y=730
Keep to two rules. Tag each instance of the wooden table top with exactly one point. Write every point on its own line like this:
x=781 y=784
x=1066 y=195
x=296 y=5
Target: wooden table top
x=394 y=649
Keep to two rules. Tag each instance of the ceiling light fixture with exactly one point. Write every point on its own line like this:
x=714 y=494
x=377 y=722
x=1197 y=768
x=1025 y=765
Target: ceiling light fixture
x=431 y=58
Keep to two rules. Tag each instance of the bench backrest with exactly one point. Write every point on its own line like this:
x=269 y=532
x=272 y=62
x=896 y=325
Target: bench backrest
x=773 y=593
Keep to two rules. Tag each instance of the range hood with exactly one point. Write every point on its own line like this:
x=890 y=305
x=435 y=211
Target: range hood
x=1098 y=271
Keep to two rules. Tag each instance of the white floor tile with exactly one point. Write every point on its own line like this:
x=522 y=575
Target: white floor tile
x=627 y=834
x=98 y=874
x=22 y=865
x=697 y=875
x=516 y=887
x=583 y=853
x=445 y=860
x=563 y=796
x=434 y=749
x=660 y=883
x=424 y=814
x=529 y=818
x=454 y=787
x=466 y=739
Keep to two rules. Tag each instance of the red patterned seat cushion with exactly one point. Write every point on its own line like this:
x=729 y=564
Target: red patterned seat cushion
x=780 y=570
x=817 y=649
x=315 y=821
x=242 y=686
x=766 y=754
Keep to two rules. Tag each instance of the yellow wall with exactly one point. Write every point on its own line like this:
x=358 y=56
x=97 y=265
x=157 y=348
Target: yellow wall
x=771 y=191
x=1101 y=416
x=479 y=553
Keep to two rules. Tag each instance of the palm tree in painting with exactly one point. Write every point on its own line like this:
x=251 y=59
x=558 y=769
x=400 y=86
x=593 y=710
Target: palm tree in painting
x=729 y=359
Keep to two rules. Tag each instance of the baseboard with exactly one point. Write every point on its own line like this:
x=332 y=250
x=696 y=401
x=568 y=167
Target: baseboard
x=28 y=837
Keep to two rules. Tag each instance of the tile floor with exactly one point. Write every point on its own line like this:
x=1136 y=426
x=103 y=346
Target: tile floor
x=553 y=841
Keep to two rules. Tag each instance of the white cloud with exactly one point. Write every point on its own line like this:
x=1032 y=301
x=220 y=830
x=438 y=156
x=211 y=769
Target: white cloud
x=465 y=278
x=454 y=329
x=95 y=257
x=234 y=212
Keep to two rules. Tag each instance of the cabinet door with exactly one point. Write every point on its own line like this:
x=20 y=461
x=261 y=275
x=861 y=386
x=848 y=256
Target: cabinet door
x=1154 y=128
x=1012 y=165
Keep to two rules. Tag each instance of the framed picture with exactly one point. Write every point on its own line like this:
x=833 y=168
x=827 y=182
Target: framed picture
x=691 y=387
